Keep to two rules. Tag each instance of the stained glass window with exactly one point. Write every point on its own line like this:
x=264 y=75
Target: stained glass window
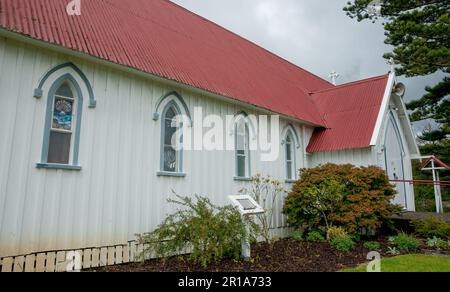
x=62 y=113
x=62 y=124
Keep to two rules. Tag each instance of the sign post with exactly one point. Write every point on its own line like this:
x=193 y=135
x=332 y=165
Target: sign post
x=248 y=207
x=433 y=164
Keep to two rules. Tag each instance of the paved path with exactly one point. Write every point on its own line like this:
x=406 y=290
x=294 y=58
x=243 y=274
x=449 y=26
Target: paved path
x=421 y=216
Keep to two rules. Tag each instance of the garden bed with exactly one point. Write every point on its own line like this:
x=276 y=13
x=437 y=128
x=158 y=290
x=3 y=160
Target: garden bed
x=287 y=255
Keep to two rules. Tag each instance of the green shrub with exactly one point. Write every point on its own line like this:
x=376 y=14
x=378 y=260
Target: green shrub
x=372 y=245
x=297 y=235
x=405 y=242
x=336 y=232
x=432 y=227
x=315 y=236
x=212 y=233
x=356 y=237
x=438 y=243
x=343 y=244
x=355 y=198
x=423 y=203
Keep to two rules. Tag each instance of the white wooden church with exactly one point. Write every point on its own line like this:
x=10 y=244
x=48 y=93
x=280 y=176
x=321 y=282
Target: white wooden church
x=86 y=103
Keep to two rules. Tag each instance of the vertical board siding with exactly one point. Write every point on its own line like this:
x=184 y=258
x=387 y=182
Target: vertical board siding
x=359 y=157
x=117 y=193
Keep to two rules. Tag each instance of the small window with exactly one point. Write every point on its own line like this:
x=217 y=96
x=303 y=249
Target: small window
x=171 y=156
x=242 y=149
x=62 y=125
x=290 y=158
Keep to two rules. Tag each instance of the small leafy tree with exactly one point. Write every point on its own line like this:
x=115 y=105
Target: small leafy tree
x=265 y=191
x=318 y=202
x=355 y=198
x=212 y=233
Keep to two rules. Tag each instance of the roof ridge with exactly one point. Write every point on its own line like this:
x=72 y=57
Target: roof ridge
x=353 y=83
x=247 y=40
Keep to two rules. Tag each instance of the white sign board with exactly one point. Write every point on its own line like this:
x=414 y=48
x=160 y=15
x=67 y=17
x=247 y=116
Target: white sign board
x=246 y=205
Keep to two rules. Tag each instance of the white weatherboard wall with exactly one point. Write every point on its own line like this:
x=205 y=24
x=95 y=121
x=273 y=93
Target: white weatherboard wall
x=117 y=193
x=359 y=157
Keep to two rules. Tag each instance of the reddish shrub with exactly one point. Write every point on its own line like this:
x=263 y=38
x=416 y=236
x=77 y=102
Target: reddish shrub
x=359 y=198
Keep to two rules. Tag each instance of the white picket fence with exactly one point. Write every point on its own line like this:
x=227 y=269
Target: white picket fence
x=73 y=260
x=86 y=258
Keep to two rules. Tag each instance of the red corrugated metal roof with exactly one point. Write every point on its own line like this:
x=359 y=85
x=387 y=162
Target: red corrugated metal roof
x=351 y=111
x=437 y=161
x=166 y=40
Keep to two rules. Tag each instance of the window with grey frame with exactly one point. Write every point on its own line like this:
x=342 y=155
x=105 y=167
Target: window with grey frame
x=171 y=154
x=242 y=148
x=62 y=125
x=61 y=131
x=290 y=157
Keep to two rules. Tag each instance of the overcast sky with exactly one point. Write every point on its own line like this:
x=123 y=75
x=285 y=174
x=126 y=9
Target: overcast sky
x=314 y=34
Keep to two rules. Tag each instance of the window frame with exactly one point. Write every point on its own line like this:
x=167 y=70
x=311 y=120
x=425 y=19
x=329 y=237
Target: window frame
x=247 y=153
x=74 y=120
x=76 y=124
x=293 y=160
x=179 y=163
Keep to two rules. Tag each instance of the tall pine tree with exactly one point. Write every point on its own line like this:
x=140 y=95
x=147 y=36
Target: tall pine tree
x=419 y=31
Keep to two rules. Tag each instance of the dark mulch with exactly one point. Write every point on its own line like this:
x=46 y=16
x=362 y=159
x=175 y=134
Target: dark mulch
x=285 y=256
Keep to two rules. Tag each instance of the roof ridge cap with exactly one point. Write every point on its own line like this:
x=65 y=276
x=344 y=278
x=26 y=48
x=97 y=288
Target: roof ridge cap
x=352 y=83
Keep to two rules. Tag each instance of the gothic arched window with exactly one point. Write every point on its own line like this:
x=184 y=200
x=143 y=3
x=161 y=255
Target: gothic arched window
x=62 y=124
x=171 y=154
x=242 y=142
x=290 y=157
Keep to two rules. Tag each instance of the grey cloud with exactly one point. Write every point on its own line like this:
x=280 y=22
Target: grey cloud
x=314 y=34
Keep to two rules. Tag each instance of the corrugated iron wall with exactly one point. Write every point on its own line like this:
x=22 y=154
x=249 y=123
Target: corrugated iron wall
x=117 y=193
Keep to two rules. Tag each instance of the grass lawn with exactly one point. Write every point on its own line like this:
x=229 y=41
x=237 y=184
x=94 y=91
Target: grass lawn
x=411 y=263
